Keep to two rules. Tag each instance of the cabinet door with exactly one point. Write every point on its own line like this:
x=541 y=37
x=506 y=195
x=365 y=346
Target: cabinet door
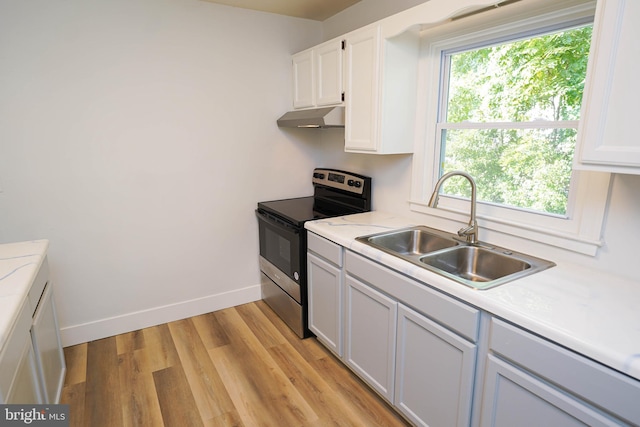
x=434 y=372
x=514 y=398
x=48 y=347
x=26 y=388
x=608 y=139
x=361 y=100
x=303 y=80
x=325 y=302
x=328 y=58
x=18 y=376
x=371 y=336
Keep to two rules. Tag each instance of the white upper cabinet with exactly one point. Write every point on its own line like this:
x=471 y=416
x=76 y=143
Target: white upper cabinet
x=380 y=76
x=362 y=73
x=381 y=90
x=328 y=58
x=318 y=76
x=303 y=80
x=607 y=138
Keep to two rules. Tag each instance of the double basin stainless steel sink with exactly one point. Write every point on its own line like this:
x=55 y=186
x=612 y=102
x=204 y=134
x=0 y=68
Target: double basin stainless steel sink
x=478 y=265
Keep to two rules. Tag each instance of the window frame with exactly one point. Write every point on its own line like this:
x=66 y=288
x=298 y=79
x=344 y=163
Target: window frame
x=578 y=231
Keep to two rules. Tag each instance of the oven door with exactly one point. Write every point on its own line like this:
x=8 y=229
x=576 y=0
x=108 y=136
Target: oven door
x=280 y=244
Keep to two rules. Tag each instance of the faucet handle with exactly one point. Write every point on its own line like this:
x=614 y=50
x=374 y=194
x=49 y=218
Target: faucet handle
x=465 y=231
x=470 y=232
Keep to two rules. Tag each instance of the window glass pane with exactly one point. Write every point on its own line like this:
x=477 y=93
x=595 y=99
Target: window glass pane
x=540 y=78
x=537 y=78
x=525 y=168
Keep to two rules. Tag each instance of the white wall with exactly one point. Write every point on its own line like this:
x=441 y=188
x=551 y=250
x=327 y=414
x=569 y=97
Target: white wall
x=137 y=136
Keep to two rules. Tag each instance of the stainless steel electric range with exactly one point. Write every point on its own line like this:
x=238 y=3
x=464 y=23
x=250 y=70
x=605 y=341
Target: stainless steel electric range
x=283 y=238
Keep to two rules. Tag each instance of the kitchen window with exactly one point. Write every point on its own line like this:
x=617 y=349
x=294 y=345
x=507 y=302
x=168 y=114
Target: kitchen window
x=503 y=104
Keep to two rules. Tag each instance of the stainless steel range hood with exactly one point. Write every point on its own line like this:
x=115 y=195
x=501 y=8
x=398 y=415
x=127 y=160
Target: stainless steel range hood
x=327 y=117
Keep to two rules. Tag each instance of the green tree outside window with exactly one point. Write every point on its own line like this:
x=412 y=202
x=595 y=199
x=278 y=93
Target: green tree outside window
x=511 y=119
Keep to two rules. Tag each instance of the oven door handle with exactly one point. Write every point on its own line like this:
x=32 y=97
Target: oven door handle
x=277 y=222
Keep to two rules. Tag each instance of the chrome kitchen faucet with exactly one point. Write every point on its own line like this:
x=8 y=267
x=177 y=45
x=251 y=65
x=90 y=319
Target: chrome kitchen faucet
x=470 y=232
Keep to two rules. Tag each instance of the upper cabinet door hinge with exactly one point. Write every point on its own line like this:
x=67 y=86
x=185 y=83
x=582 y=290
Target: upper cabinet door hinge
x=344 y=44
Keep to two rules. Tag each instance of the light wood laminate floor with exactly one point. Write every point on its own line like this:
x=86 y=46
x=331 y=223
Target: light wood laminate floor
x=235 y=367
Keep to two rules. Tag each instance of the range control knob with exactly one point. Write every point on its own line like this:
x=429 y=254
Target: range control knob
x=351 y=183
x=357 y=184
x=318 y=175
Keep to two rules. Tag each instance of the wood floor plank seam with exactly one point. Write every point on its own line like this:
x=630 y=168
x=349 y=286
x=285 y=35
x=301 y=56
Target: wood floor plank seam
x=210 y=394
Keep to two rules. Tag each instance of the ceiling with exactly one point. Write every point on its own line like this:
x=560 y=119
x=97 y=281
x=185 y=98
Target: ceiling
x=318 y=10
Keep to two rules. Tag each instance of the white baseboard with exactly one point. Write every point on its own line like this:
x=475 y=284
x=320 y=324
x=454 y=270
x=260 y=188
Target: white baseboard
x=111 y=326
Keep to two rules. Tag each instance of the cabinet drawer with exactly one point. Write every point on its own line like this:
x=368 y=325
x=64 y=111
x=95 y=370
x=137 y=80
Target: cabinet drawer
x=325 y=248
x=451 y=313
x=38 y=286
x=13 y=350
x=603 y=387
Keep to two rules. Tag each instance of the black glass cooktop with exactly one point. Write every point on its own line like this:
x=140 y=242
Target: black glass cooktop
x=295 y=211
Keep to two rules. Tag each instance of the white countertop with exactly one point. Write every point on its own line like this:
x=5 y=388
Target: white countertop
x=19 y=265
x=590 y=312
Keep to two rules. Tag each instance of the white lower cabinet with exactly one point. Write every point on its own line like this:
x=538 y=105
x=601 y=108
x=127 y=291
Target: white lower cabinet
x=47 y=346
x=515 y=398
x=19 y=380
x=325 y=302
x=533 y=382
x=434 y=372
x=442 y=362
x=423 y=363
x=325 y=292
x=32 y=365
x=26 y=387
x=371 y=336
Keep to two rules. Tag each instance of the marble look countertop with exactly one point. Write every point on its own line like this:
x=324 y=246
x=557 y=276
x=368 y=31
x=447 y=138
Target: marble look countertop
x=591 y=312
x=19 y=265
